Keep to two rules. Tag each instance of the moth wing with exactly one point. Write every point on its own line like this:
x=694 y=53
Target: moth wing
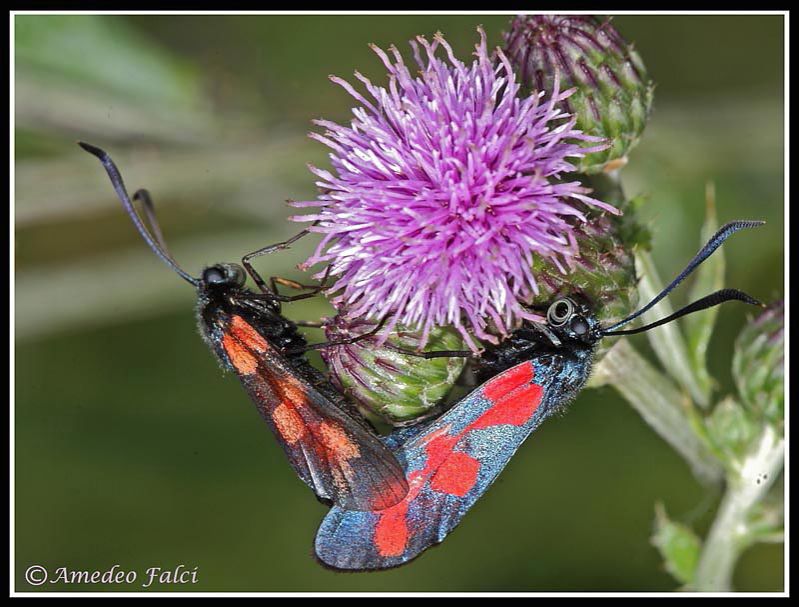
x=449 y=464
x=332 y=453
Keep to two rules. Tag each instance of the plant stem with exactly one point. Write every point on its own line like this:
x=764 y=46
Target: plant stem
x=729 y=534
x=657 y=400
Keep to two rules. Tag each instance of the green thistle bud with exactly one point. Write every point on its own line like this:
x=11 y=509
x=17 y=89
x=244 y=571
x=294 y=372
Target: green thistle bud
x=758 y=364
x=389 y=386
x=614 y=94
x=731 y=429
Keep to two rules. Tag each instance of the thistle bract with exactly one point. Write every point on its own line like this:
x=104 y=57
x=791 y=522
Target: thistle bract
x=613 y=94
x=387 y=385
x=444 y=190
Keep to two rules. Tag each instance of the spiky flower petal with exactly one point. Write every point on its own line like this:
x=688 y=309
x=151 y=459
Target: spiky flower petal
x=444 y=190
x=614 y=93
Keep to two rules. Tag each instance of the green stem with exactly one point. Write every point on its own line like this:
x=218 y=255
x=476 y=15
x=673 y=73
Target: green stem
x=730 y=534
x=657 y=400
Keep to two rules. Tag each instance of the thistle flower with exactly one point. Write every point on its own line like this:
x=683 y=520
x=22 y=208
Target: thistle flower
x=444 y=190
x=614 y=94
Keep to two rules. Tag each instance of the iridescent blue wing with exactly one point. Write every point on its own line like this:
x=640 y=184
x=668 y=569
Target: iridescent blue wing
x=449 y=464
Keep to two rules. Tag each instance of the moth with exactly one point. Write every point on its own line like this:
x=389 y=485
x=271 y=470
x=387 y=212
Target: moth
x=450 y=462
x=331 y=449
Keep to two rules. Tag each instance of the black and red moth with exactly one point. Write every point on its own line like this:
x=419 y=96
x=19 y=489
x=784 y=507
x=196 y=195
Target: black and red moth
x=333 y=451
x=451 y=461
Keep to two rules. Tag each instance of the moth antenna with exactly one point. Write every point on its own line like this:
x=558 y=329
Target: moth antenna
x=706 y=251
x=708 y=301
x=119 y=186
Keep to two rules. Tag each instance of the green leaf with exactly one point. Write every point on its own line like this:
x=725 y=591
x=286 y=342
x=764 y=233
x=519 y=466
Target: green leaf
x=709 y=277
x=678 y=545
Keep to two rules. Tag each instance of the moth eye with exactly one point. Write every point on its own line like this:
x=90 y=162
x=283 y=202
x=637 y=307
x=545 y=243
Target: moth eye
x=237 y=275
x=579 y=325
x=214 y=275
x=559 y=312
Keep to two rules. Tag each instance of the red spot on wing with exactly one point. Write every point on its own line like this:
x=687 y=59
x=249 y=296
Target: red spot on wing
x=457 y=475
x=240 y=357
x=246 y=334
x=288 y=423
x=438 y=447
x=514 y=408
x=337 y=448
x=508 y=381
x=391 y=533
x=338 y=444
x=243 y=344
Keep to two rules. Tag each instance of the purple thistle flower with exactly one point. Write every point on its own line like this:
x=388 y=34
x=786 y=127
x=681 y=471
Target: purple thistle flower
x=443 y=189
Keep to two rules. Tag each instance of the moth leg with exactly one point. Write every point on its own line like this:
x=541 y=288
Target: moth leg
x=293 y=284
x=245 y=261
x=435 y=354
x=269 y=296
x=314 y=324
x=338 y=342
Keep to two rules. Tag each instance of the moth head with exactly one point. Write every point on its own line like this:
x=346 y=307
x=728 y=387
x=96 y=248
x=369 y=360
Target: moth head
x=223 y=276
x=571 y=319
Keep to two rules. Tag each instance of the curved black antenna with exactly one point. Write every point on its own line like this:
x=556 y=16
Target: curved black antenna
x=122 y=193
x=706 y=251
x=708 y=301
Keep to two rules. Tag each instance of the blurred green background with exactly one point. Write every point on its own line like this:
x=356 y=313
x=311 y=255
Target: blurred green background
x=132 y=448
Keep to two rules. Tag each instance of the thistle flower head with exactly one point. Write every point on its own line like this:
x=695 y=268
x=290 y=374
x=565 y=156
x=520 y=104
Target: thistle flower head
x=445 y=188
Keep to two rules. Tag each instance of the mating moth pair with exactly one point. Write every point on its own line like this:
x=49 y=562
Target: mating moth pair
x=393 y=497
